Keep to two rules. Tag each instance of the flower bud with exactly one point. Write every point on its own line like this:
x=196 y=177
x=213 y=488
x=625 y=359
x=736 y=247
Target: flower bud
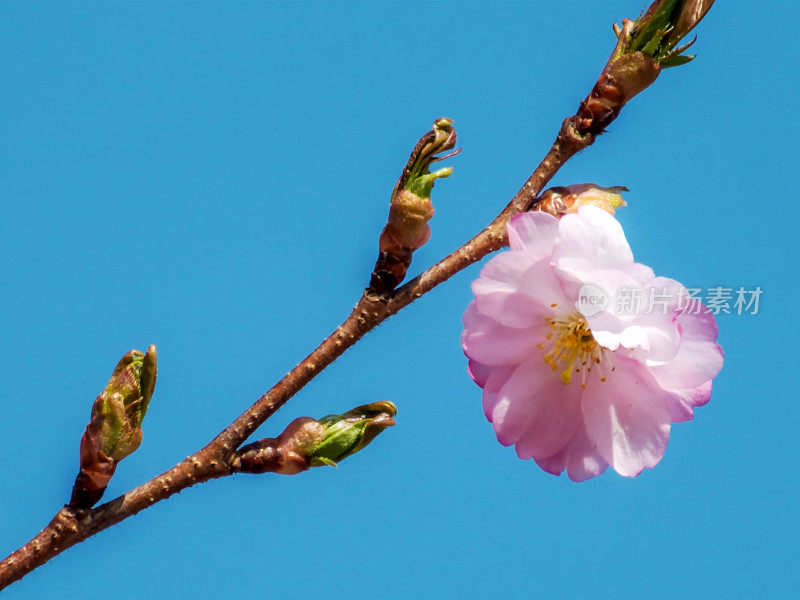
x=307 y=443
x=348 y=433
x=411 y=208
x=559 y=201
x=644 y=48
x=114 y=431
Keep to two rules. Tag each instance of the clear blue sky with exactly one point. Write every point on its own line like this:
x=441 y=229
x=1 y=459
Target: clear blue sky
x=212 y=178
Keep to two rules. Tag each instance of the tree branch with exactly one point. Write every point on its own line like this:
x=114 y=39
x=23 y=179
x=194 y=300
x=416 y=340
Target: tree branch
x=72 y=526
x=644 y=48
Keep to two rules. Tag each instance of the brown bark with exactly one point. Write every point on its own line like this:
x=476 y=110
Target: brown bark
x=71 y=526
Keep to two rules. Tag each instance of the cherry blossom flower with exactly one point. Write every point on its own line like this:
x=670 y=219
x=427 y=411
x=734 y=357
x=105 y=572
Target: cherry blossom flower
x=569 y=378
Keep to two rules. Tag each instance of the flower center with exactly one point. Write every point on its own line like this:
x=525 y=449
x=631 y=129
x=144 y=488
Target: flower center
x=571 y=347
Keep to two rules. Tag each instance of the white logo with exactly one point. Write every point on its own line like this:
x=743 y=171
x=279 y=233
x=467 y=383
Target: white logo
x=591 y=300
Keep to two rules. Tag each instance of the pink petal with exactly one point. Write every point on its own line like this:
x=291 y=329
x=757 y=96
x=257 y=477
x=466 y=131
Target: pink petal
x=641 y=273
x=659 y=320
x=536 y=410
x=548 y=287
x=699 y=358
x=627 y=417
x=487 y=342
x=533 y=233
x=508 y=268
x=578 y=457
x=478 y=372
x=509 y=309
x=494 y=383
x=698 y=396
x=591 y=241
x=612 y=332
x=525 y=305
x=653 y=329
x=681 y=408
x=583 y=460
x=657 y=335
x=555 y=464
x=698 y=326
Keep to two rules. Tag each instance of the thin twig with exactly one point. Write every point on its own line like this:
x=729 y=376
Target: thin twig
x=70 y=526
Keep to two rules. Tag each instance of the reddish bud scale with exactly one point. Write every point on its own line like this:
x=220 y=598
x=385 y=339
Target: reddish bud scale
x=96 y=471
x=287 y=454
x=267 y=456
x=406 y=230
x=601 y=107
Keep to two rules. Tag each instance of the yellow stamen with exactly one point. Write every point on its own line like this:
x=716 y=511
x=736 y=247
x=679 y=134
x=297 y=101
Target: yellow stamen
x=566 y=374
x=573 y=343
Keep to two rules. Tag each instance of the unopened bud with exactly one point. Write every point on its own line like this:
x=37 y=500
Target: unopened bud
x=307 y=443
x=658 y=31
x=114 y=431
x=348 y=433
x=411 y=208
x=644 y=48
x=559 y=201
